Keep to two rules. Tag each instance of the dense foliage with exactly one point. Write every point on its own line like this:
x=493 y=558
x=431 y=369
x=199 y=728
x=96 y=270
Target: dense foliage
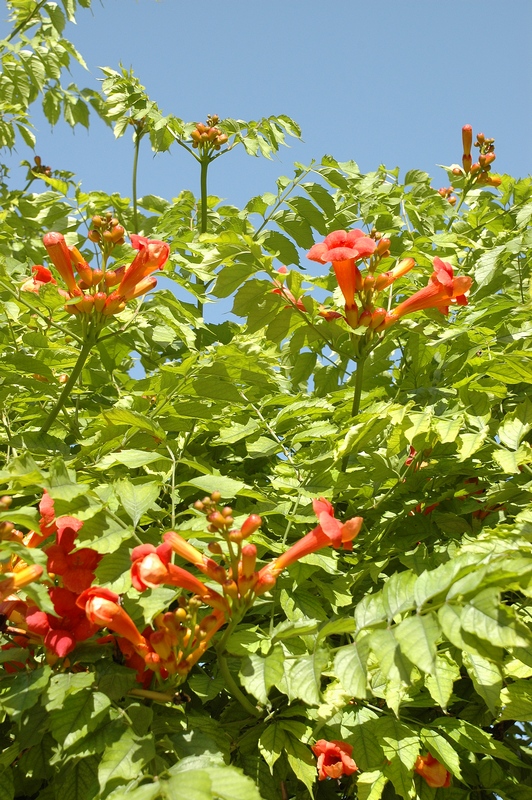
x=287 y=553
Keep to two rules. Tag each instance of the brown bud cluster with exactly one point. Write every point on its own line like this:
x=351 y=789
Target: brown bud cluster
x=41 y=168
x=447 y=194
x=480 y=170
x=106 y=231
x=207 y=136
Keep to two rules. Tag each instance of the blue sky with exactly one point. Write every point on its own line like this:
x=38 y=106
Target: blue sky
x=381 y=82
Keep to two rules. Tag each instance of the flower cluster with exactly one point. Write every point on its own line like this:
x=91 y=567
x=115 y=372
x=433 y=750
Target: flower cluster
x=481 y=169
x=179 y=638
x=334 y=761
x=346 y=249
x=207 y=137
x=70 y=572
x=92 y=291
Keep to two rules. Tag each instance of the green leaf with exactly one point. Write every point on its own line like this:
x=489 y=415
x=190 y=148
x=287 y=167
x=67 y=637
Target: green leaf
x=259 y=673
x=125 y=758
x=7 y=785
x=398 y=593
x=124 y=416
x=350 y=668
x=81 y=713
x=271 y=743
x=80 y=781
x=516 y=699
x=487 y=679
x=227 y=487
x=304 y=677
x=130 y=458
x=474 y=739
x=302 y=761
x=516 y=425
x=24 y=691
x=417 y=637
x=370 y=785
x=440 y=683
x=137 y=498
x=439 y=747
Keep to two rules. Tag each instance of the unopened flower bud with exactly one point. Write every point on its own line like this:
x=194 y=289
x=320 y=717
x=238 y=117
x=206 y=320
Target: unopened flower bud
x=365 y=318
x=231 y=589
x=475 y=168
x=227 y=511
x=250 y=525
x=215 y=548
x=5 y=502
x=97 y=221
x=383 y=245
x=217 y=519
x=5 y=529
x=99 y=300
x=480 y=138
x=457 y=171
x=86 y=304
x=94 y=236
x=207 y=501
x=216 y=497
x=198 y=505
x=249 y=559
x=117 y=233
x=467 y=139
x=452 y=200
x=377 y=317
x=222 y=139
x=351 y=315
x=63 y=378
x=466 y=163
x=369 y=283
x=235 y=536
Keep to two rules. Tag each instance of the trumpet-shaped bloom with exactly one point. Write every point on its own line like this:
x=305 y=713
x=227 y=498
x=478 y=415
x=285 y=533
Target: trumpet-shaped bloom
x=64 y=629
x=60 y=257
x=334 y=759
x=20 y=578
x=152 y=567
x=343 y=249
x=102 y=609
x=330 y=531
x=442 y=291
x=152 y=255
x=435 y=774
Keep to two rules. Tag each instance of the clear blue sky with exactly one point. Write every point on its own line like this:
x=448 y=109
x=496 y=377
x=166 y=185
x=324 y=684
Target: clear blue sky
x=385 y=81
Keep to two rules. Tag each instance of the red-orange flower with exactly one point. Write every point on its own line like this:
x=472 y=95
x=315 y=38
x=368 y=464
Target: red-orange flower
x=61 y=259
x=102 y=609
x=151 y=567
x=343 y=249
x=330 y=531
x=334 y=759
x=152 y=255
x=442 y=291
x=435 y=774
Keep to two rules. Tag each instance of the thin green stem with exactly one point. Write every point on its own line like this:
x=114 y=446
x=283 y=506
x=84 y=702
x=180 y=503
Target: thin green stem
x=25 y=21
x=135 y=170
x=205 y=161
x=355 y=408
x=69 y=385
x=38 y=313
x=232 y=687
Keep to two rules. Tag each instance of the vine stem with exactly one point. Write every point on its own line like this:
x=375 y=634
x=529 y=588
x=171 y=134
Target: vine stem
x=134 y=188
x=230 y=683
x=231 y=686
x=26 y=20
x=69 y=385
x=355 y=408
x=205 y=161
